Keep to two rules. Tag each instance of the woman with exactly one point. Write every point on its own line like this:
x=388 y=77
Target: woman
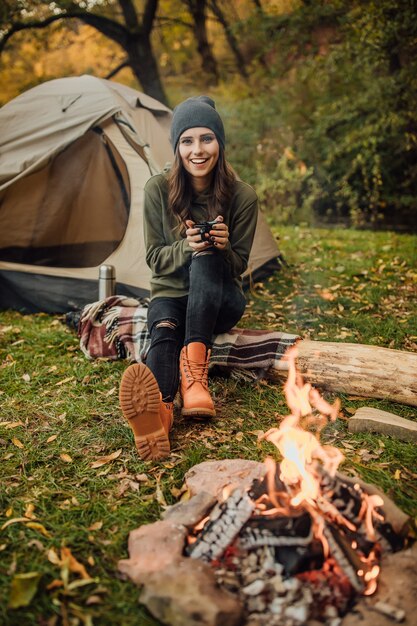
x=196 y=286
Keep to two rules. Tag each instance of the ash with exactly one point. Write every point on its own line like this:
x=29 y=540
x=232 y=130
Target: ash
x=271 y=598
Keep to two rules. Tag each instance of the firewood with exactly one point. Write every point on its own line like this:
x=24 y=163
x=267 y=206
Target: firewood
x=368 y=419
x=356 y=369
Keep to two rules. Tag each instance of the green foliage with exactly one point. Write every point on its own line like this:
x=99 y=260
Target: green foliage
x=289 y=189
x=346 y=74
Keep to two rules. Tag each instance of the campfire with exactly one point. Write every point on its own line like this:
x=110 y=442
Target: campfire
x=301 y=543
x=298 y=544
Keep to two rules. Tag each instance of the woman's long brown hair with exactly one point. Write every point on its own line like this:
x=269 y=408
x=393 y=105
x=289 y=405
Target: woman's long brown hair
x=180 y=191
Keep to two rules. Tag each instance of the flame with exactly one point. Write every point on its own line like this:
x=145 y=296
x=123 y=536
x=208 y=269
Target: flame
x=304 y=461
x=300 y=448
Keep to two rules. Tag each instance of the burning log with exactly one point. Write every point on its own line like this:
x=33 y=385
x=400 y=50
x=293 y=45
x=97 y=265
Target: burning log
x=225 y=522
x=357 y=369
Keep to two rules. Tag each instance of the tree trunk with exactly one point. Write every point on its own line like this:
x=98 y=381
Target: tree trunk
x=231 y=39
x=197 y=9
x=144 y=67
x=357 y=369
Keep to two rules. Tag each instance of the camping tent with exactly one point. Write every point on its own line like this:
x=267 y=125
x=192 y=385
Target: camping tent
x=75 y=154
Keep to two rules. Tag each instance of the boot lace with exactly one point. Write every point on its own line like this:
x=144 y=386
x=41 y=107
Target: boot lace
x=195 y=371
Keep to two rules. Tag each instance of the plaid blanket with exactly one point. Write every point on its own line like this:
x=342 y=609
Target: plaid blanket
x=115 y=328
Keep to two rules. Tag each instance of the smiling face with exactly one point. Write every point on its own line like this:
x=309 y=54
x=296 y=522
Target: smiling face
x=199 y=151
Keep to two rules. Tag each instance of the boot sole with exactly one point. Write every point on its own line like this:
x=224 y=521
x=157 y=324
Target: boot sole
x=198 y=413
x=139 y=400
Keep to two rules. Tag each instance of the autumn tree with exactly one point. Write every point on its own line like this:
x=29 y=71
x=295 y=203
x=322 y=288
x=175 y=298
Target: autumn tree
x=119 y=20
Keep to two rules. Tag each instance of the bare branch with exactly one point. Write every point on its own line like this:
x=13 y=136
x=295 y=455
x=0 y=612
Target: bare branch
x=117 y=69
x=18 y=26
x=110 y=29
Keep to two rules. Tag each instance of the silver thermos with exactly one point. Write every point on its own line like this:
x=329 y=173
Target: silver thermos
x=106 y=281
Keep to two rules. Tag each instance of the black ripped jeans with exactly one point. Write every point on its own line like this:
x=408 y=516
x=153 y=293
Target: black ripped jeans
x=214 y=305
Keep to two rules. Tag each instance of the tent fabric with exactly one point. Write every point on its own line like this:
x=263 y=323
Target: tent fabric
x=75 y=154
x=47 y=118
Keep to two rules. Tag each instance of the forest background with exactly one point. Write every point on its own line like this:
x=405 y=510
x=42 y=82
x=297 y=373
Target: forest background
x=319 y=97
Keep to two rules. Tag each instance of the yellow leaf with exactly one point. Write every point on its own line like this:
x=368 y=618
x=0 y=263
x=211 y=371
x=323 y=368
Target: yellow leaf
x=65 y=380
x=96 y=526
x=9 y=512
x=23 y=588
x=11 y=425
x=106 y=459
x=65 y=457
x=17 y=442
x=29 y=511
x=397 y=474
x=51 y=438
x=40 y=528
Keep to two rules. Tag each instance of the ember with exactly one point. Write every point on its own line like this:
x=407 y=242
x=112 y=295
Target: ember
x=301 y=543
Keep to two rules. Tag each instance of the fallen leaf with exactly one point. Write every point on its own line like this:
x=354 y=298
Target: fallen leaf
x=81 y=583
x=55 y=584
x=239 y=436
x=15 y=520
x=96 y=526
x=65 y=380
x=142 y=478
x=40 y=528
x=51 y=438
x=106 y=459
x=74 y=566
x=29 y=511
x=53 y=557
x=38 y=544
x=66 y=458
x=93 y=600
x=23 y=589
x=110 y=392
x=397 y=474
x=159 y=494
x=17 y=442
x=26 y=378
x=10 y=425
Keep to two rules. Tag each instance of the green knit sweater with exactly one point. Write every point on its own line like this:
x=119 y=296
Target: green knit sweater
x=167 y=252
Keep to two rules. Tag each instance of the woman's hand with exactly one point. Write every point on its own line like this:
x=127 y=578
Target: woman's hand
x=219 y=235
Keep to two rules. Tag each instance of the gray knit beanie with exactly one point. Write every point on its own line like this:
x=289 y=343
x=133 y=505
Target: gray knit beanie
x=194 y=112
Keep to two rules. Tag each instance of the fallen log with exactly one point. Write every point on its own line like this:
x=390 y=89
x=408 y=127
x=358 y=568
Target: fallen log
x=356 y=369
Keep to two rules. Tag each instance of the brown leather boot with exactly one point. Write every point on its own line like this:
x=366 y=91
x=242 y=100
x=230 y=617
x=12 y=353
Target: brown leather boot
x=149 y=417
x=196 y=397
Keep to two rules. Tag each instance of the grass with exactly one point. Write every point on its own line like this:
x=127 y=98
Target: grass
x=60 y=416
